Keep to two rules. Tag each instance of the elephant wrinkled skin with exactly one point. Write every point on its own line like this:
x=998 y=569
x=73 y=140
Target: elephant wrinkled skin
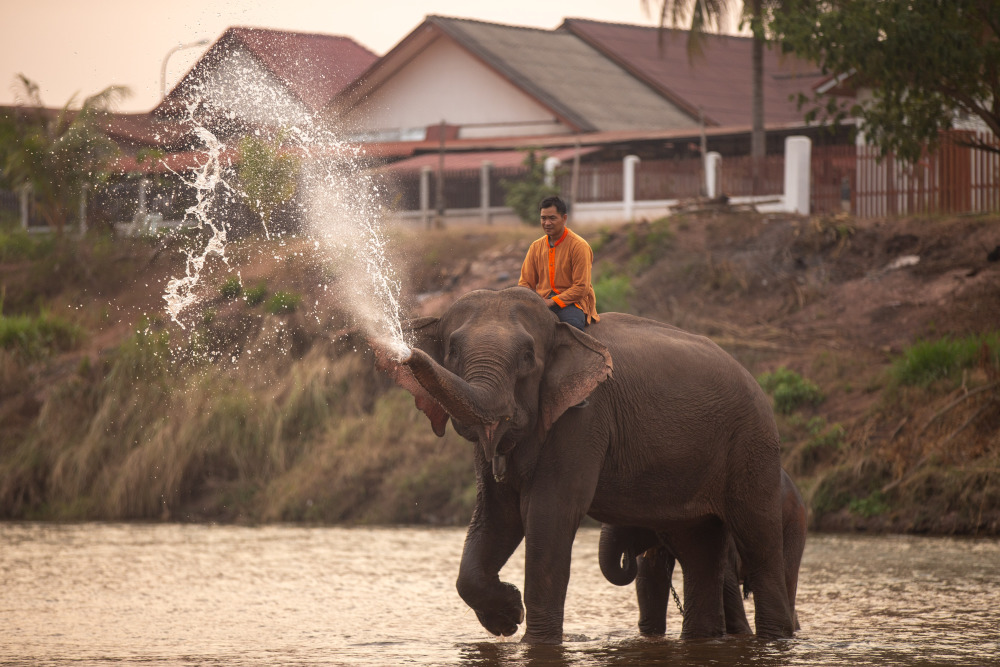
x=680 y=439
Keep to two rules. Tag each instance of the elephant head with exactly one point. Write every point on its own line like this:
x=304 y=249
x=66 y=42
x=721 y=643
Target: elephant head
x=501 y=366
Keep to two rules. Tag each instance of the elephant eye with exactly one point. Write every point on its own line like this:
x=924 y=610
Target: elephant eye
x=452 y=352
x=527 y=360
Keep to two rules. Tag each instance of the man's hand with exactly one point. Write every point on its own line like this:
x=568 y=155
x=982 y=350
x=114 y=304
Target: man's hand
x=549 y=303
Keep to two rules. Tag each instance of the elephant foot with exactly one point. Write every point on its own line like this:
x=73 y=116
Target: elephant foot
x=501 y=624
x=652 y=629
x=533 y=638
x=503 y=618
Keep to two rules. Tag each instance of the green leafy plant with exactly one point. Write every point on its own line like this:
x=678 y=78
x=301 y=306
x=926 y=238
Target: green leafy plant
x=39 y=335
x=928 y=361
x=790 y=390
x=869 y=506
x=267 y=175
x=255 y=295
x=57 y=154
x=614 y=292
x=524 y=194
x=231 y=289
x=283 y=302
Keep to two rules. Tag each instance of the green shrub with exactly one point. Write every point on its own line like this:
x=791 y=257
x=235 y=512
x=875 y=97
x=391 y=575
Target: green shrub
x=614 y=293
x=523 y=194
x=255 y=295
x=39 y=335
x=283 y=302
x=790 y=390
x=232 y=288
x=870 y=506
x=928 y=361
x=17 y=244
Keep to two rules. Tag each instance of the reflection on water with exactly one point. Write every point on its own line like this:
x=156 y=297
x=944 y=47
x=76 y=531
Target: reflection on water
x=98 y=594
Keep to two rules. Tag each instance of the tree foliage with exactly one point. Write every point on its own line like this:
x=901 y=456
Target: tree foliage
x=524 y=194
x=924 y=60
x=268 y=176
x=57 y=152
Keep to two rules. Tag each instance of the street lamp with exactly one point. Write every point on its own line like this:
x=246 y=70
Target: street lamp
x=163 y=67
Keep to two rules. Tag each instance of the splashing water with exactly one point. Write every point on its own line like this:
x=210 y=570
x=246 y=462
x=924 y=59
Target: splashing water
x=181 y=291
x=339 y=198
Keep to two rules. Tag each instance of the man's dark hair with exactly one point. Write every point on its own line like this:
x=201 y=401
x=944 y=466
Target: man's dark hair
x=553 y=201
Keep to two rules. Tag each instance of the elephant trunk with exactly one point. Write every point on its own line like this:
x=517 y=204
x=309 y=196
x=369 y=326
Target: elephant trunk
x=616 y=556
x=456 y=396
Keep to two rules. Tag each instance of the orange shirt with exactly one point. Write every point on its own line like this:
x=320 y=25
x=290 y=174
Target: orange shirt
x=563 y=269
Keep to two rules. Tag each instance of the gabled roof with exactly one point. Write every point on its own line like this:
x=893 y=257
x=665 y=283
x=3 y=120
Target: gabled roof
x=583 y=89
x=719 y=81
x=313 y=67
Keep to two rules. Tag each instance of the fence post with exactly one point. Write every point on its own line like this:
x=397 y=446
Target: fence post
x=484 y=189
x=550 y=170
x=713 y=161
x=425 y=196
x=628 y=185
x=798 y=152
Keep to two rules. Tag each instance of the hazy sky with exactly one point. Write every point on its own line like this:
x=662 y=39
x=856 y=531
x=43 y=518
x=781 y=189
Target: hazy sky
x=82 y=46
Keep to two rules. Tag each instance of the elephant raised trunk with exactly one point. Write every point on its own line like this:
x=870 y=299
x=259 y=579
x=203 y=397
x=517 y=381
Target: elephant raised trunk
x=469 y=404
x=459 y=398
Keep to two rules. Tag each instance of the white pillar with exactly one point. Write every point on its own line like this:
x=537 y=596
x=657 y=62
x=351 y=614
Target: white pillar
x=484 y=189
x=425 y=196
x=550 y=170
x=713 y=162
x=798 y=154
x=628 y=185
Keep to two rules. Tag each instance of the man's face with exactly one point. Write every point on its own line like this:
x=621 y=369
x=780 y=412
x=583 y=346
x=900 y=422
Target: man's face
x=553 y=222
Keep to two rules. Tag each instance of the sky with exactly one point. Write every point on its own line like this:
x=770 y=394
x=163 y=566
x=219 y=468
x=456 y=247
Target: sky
x=79 y=47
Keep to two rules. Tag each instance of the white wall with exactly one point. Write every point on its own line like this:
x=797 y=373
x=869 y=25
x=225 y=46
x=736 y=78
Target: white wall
x=444 y=82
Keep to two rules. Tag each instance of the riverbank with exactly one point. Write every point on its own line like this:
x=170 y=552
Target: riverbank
x=878 y=340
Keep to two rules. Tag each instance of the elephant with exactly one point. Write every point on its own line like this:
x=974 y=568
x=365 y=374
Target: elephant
x=629 y=554
x=634 y=423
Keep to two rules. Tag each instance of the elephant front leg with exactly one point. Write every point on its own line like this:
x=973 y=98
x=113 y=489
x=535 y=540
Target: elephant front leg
x=494 y=533
x=548 y=551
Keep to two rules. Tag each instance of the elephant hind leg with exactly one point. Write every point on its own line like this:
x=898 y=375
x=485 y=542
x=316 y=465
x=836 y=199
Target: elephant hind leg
x=701 y=550
x=763 y=560
x=652 y=589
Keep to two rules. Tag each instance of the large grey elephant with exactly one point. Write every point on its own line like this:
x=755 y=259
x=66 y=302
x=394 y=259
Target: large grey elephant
x=680 y=439
x=628 y=554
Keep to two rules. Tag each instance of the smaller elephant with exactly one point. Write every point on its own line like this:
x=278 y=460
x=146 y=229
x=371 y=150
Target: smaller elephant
x=629 y=554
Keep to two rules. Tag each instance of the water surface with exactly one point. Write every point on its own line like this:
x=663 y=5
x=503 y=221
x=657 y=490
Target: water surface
x=103 y=594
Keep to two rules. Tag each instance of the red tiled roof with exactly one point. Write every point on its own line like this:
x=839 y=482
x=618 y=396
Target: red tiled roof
x=314 y=67
x=719 y=81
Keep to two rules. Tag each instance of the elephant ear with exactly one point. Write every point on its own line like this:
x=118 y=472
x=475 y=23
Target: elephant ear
x=423 y=333
x=576 y=364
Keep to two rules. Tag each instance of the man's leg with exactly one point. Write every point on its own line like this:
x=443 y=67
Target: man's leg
x=571 y=315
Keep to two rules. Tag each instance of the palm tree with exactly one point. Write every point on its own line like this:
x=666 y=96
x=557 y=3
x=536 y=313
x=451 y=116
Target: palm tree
x=711 y=14
x=58 y=153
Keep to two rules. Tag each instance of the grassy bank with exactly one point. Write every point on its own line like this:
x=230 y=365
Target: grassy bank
x=268 y=407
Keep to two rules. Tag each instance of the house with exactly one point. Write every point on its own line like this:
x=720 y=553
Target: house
x=490 y=80
x=263 y=76
x=249 y=79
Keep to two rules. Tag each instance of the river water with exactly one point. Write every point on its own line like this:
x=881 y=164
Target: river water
x=111 y=594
